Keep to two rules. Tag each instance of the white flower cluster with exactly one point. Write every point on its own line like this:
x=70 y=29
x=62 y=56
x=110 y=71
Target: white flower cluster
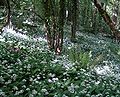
x=2 y=94
x=53 y=80
x=44 y=91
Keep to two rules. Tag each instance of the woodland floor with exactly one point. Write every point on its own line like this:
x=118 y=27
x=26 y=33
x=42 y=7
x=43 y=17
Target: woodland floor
x=88 y=68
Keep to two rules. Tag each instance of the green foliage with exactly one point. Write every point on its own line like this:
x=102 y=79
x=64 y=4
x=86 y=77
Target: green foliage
x=29 y=69
x=33 y=71
x=97 y=60
x=92 y=51
x=82 y=58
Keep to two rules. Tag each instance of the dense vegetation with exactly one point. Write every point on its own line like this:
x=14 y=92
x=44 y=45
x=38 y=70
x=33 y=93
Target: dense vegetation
x=59 y=48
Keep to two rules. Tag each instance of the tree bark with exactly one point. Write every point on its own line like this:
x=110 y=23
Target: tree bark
x=6 y=3
x=8 y=12
x=107 y=19
x=47 y=21
x=59 y=35
x=74 y=20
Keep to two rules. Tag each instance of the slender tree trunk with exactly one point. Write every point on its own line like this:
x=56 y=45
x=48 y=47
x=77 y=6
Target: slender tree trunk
x=94 y=20
x=59 y=36
x=107 y=19
x=47 y=21
x=8 y=12
x=74 y=20
x=69 y=8
x=6 y=3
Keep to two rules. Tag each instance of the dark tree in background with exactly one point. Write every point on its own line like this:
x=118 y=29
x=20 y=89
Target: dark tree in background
x=6 y=4
x=74 y=17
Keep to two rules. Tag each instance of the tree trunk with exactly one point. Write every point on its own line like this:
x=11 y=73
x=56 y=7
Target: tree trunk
x=74 y=20
x=8 y=12
x=47 y=21
x=69 y=9
x=6 y=3
x=59 y=36
x=107 y=19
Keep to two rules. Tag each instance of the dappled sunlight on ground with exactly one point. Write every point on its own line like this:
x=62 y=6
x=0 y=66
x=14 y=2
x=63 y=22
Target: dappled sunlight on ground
x=103 y=70
x=10 y=31
x=14 y=33
x=108 y=71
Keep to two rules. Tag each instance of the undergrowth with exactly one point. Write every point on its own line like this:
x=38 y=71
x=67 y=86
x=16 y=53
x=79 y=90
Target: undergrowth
x=27 y=71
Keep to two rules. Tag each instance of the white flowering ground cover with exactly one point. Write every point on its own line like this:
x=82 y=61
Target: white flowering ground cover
x=31 y=70
x=95 y=51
